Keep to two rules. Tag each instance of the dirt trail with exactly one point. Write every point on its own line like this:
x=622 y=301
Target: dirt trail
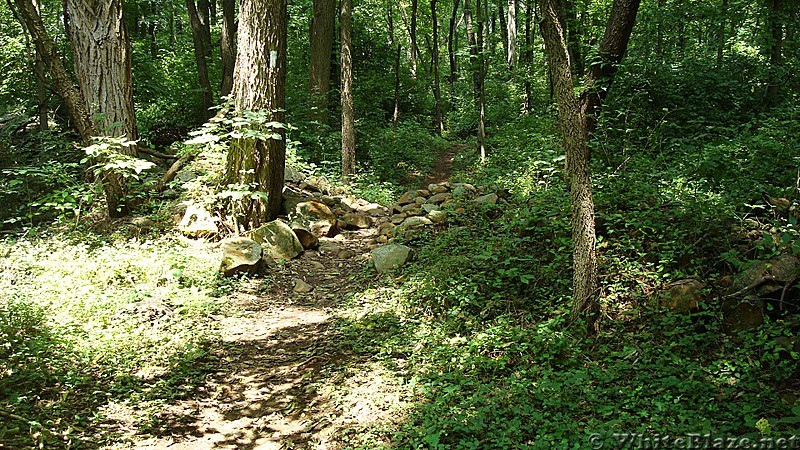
x=278 y=359
x=444 y=166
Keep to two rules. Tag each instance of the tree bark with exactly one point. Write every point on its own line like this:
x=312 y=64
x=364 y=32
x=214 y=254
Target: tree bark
x=437 y=93
x=476 y=57
x=527 y=56
x=775 y=22
x=227 y=45
x=396 y=113
x=259 y=84
x=348 y=111
x=573 y=118
x=412 y=31
x=511 y=34
x=503 y=15
x=723 y=19
x=451 y=47
x=198 y=21
x=321 y=43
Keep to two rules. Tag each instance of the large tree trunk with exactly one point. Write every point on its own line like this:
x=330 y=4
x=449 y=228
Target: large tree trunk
x=502 y=15
x=475 y=39
x=198 y=20
x=102 y=61
x=321 y=43
x=437 y=92
x=227 y=44
x=451 y=45
x=348 y=111
x=259 y=84
x=412 y=31
x=723 y=22
x=574 y=114
x=527 y=56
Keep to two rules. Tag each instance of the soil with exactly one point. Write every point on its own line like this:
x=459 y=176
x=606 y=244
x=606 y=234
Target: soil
x=279 y=363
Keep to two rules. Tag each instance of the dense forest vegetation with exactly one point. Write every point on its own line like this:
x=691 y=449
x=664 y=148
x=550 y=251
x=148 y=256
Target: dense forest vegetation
x=398 y=224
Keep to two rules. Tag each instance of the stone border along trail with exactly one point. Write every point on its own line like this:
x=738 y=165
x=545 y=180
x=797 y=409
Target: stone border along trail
x=275 y=355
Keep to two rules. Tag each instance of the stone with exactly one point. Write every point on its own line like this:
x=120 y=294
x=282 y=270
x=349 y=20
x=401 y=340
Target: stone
x=329 y=248
x=346 y=254
x=742 y=314
x=412 y=223
x=428 y=207
x=440 y=197
x=315 y=217
x=278 y=240
x=682 y=297
x=766 y=277
x=437 y=188
x=407 y=198
x=488 y=199
x=382 y=239
x=329 y=201
x=423 y=193
x=420 y=201
x=356 y=221
x=413 y=212
x=198 y=222
x=307 y=239
x=460 y=211
x=239 y=255
x=316 y=265
x=372 y=209
x=292 y=175
x=398 y=218
x=390 y=257
x=396 y=209
x=385 y=228
x=437 y=216
x=301 y=287
x=409 y=207
x=185 y=176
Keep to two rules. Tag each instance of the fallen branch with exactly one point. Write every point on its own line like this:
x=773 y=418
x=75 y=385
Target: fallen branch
x=173 y=170
x=156 y=154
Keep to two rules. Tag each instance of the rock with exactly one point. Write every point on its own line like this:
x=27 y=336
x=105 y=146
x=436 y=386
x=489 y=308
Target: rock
x=184 y=176
x=460 y=211
x=437 y=216
x=307 y=239
x=329 y=201
x=413 y=212
x=407 y=198
x=460 y=191
x=390 y=257
x=412 y=223
x=396 y=209
x=742 y=314
x=278 y=240
x=682 y=296
x=373 y=209
x=398 y=218
x=357 y=221
x=240 y=255
x=423 y=193
x=440 y=197
x=197 y=222
x=409 y=207
x=350 y=201
x=382 y=239
x=766 y=277
x=428 y=207
x=292 y=175
x=488 y=199
x=385 y=228
x=346 y=254
x=301 y=287
x=420 y=201
x=315 y=217
x=290 y=202
x=437 y=188
x=316 y=265
x=329 y=248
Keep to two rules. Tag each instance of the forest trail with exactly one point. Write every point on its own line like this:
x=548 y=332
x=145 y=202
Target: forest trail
x=279 y=359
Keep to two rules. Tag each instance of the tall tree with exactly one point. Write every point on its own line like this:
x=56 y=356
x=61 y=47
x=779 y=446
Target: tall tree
x=476 y=58
x=348 y=110
x=437 y=92
x=259 y=84
x=102 y=60
x=576 y=117
x=511 y=34
x=412 y=32
x=227 y=45
x=452 y=32
x=321 y=43
x=201 y=36
x=775 y=24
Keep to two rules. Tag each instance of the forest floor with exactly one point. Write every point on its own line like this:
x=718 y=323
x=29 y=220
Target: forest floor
x=282 y=376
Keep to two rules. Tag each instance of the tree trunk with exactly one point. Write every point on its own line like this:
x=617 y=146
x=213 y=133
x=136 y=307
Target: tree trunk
x=198 y=20
x=348 y=112
x=723 y=19
x=227 y=44
x=573 y=115
x=396 y=113
x=775 y=22
x=503 y=15
x=527 y=56
x=151 y=31
x=437 y=93
x=511 y=34
x=475 y=38
x=172 y=40
x=451 y=47
x=259 y=84
x=412 y=31
x=321 y=42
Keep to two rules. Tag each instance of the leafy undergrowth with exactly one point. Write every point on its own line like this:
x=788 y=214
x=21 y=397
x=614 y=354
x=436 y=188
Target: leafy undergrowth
x=88 y=323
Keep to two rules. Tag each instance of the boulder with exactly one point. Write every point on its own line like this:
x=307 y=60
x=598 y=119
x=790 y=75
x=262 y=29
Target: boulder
x=766 y=277
x=409 y=207
x=385 y=228
x=315 y=217
x=682 y=296
x=423 y=193
x=278 y=240
x=437 y=188
x=390 y=257
x=437 y=216
x=346 y=254
x=488 y=199
x=407 y=198
x=398 y=218
x=307 y=239
x=742 y=314
x=373 y=209
x=428 y=207
x=197 y=222
x=329 y=248
x=356 y=221
x=301 y=287
x=440 y=197
x=292 y=175
x=240 y=255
